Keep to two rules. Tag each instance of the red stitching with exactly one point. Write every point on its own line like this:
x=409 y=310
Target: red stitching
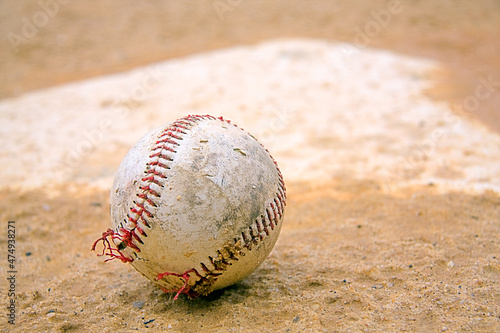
x=174 y=129
x=148 y=200
x=167 y=140
x=185 y=289
x=127 y=237
x=209 y=272
x=273 y=209
x=246 y=241
x=266 y=226
x=131 y=219
x=205 y=268
x=152 y=179
x=259 y=226
x=220 y=258
x=141 y=231
x=153 y=173
x=278 y=206
x=108 y=250
x=160 y=155
x=150 y=190
x=271 y=218
x=253 y=236
x=140 y=210
x=161 y=165
x=144 y=221
x=166 y=148
x=171 y=133
x=280 y=200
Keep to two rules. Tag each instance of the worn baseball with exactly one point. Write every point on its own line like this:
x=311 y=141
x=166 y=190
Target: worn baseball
x=196 y=205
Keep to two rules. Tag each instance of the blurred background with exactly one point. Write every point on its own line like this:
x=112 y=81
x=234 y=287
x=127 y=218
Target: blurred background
x=50 y=42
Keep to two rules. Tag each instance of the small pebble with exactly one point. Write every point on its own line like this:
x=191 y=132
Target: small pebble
x=451 y=264
x=138 y=304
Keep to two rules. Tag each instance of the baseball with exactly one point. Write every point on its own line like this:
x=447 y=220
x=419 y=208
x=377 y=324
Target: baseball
x=196 y=206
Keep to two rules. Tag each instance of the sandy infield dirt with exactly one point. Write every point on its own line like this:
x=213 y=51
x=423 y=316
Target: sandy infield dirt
x=360 y=249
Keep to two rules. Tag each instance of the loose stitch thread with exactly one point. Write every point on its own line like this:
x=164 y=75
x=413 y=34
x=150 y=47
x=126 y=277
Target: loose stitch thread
x=185 y=289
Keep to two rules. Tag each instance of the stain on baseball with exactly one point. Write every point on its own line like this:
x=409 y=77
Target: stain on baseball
x=196 y=206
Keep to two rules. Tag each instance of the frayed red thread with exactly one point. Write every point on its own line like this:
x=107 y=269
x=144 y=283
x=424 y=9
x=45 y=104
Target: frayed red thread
x=108 y=250
x=185 y=289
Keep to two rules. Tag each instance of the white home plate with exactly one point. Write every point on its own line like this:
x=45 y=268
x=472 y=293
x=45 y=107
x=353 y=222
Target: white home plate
x=324 y=110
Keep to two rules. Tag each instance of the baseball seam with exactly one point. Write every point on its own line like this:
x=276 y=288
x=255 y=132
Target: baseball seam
x=133 y=227
x=270 y=219
x=130 y=229
x=161 y=154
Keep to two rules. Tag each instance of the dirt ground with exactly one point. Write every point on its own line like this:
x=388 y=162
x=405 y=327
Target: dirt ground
x=351 y=256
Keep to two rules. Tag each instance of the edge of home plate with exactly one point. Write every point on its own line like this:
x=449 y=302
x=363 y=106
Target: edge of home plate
x=323 y=109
